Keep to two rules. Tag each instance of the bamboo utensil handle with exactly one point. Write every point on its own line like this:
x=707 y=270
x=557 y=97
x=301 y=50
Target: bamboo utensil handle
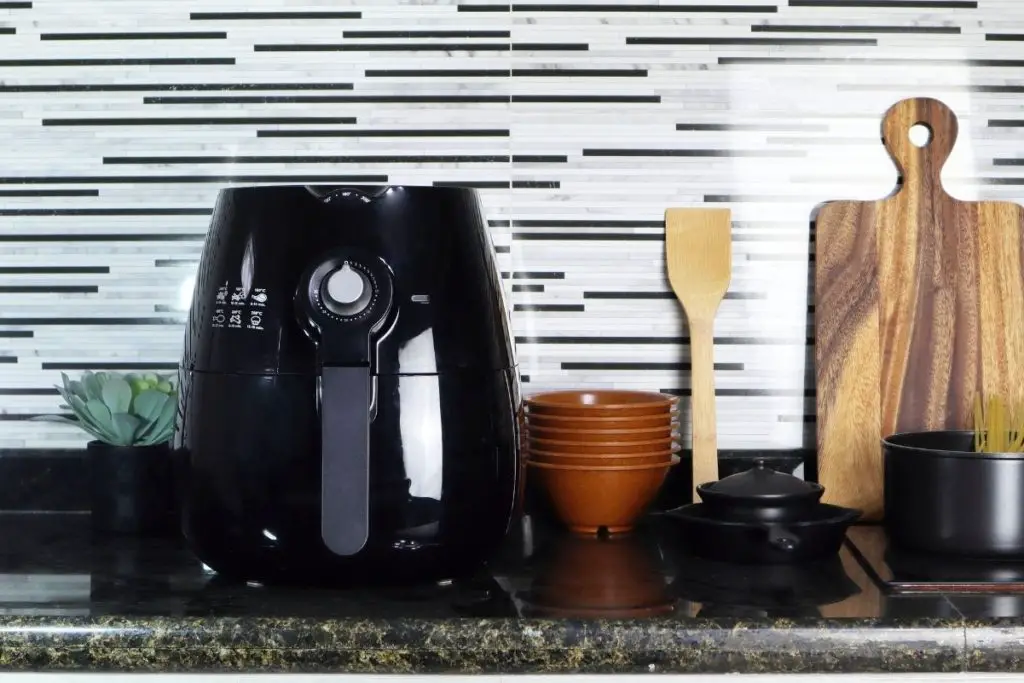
x=702 y=401
x=698 y=257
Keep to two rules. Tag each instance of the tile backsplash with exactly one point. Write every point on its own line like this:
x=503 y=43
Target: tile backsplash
x=579 y=123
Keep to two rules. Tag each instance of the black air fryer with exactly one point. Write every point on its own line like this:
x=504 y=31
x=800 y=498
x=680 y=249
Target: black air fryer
x=348 y=387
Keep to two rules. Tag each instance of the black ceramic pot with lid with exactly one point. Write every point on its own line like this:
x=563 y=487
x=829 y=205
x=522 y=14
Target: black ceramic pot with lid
x=760 y=494
x=762 y=516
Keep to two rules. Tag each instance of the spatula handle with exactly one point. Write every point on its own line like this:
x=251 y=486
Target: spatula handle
x=702 y=402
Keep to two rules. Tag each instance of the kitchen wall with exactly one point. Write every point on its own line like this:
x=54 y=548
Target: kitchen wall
x=579 y=123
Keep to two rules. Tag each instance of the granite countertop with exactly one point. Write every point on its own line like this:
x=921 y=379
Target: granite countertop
x=72 y=602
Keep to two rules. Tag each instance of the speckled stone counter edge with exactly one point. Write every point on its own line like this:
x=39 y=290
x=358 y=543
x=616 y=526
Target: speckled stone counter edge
x=482 y=645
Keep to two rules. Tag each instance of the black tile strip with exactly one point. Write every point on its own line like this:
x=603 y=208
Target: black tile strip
x=386 y=133
x=589 y=365
x=1000 y=181
x=202 y=121
x=27 y=391
x=715 y=8
x=629 y=295
x=527 y=288
x=106 y=212
x=889 y=4
x=588 y=99
x=328 y=99
x=502 y=249
x=92 y=321
x=172 y=87
x=381 y=47
x=850 y=28
x=1008 y=162
x=436 y=73
x=426 y=34
x=537 y=275
x=49 y=193
x=536 y=184
x=550 y=47
x=55 y=270
x=110 y=366
x=558 y=72
x=1006 y=123
x=7 y=30
x=662 y=152
x=869 y=61
x=660 y=295
x=497 y=223
x=669 y=40
x=8 y=359
x=141 y=35
x=1014 y=37
x=539 y=159
x=475 y=184
x=587 y=223
x=151 y=61
x=588 y=237
x=134 y=180
x=16 y=334
x=564 y=308
x=49 y=289
x=14 y=4
x=755 y=127
x=173 y=262
x=295 y=159
x=260 y=16
x=100 y=237
x=484 y=8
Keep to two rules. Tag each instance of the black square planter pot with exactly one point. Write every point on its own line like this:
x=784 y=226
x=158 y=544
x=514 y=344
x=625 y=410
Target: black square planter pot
x=132 y=489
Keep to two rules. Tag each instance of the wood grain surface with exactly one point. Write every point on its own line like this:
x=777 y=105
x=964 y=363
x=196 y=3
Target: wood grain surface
x=919 y=304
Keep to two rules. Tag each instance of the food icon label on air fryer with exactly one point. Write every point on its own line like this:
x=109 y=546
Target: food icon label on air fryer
x=235 y=310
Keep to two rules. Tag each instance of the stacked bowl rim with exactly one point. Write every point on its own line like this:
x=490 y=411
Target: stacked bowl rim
x=600 y=403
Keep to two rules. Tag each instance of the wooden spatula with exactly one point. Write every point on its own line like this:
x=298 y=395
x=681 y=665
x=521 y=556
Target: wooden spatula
x=698 y=254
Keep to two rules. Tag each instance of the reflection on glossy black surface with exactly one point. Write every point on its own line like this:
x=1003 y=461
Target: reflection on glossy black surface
x=51 y=565
x=348 y=387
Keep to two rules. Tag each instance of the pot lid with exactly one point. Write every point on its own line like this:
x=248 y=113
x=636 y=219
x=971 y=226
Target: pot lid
x=761 y=481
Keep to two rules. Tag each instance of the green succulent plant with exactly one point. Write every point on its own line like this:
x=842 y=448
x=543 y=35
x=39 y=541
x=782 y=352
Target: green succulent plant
x=121 y=410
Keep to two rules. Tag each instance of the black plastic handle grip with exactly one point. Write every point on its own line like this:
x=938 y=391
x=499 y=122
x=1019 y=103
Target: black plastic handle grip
x=345 y=398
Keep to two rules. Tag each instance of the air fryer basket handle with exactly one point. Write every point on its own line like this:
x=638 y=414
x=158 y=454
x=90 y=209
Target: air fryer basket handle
x=345 y=400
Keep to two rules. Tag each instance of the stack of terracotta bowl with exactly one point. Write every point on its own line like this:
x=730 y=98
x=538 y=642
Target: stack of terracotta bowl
x=601 y=456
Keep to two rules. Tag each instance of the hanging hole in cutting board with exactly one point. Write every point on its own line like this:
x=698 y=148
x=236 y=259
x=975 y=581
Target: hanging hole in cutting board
x=920 y=134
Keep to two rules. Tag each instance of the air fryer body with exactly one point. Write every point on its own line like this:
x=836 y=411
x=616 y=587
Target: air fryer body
x=416 y=363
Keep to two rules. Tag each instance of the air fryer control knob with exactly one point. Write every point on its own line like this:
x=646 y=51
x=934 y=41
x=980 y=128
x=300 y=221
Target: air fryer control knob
x=347 y=291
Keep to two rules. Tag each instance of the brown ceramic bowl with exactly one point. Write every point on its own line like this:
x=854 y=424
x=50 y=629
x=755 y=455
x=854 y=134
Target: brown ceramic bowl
x=603 y=436
x=606 y=460
x=582 y=572
x=600 y=403
x=574 y=422
x=598 y=448
x=590 y=498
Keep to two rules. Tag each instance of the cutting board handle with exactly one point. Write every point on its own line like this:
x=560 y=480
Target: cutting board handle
x=919 y=165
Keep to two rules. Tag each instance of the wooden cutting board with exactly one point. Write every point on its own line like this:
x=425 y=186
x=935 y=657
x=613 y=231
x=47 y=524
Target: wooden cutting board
x=919 y=304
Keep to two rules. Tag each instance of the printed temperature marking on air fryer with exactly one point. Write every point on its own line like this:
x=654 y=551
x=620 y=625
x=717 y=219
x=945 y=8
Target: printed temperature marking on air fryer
x=255 y=321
